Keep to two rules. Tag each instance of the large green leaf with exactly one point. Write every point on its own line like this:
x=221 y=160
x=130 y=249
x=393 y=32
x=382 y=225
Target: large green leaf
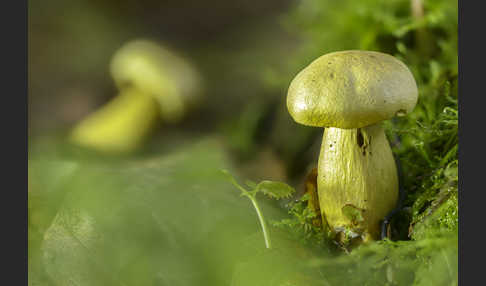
x=170 y=219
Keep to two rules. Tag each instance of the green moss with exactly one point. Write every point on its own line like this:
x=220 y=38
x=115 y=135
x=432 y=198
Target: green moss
x=300 y=223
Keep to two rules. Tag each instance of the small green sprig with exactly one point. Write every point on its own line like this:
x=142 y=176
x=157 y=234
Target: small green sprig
x=272 y=189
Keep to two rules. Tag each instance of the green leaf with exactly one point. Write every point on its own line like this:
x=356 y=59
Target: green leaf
x=275 y=190
x=244 y=192
x=167 y=219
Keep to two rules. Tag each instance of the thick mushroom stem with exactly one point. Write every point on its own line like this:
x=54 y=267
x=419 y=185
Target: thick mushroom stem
x=357 y=180
x=120 y=125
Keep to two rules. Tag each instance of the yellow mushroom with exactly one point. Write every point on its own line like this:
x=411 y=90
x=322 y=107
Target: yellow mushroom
x=155 y=85
x=350 y=93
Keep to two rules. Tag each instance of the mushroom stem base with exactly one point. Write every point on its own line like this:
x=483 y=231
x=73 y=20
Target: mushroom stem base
x=357 y=180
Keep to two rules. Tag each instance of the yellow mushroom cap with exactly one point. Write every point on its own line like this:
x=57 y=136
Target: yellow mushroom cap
x=351 y=89
x=154 y=70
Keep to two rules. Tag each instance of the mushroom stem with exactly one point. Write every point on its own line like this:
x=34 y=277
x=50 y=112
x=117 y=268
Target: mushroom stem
x=357 y=180
x=120 y=125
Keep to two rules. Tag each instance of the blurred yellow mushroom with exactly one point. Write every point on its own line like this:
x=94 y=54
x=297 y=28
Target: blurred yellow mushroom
x=155 y=86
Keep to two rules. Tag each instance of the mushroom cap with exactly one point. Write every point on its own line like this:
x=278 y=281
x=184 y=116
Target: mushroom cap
x=351 y=89
x=154 y=70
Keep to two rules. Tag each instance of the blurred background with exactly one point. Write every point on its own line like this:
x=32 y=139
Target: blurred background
x=235 y=47
x=244 y=54
x=71 y=45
